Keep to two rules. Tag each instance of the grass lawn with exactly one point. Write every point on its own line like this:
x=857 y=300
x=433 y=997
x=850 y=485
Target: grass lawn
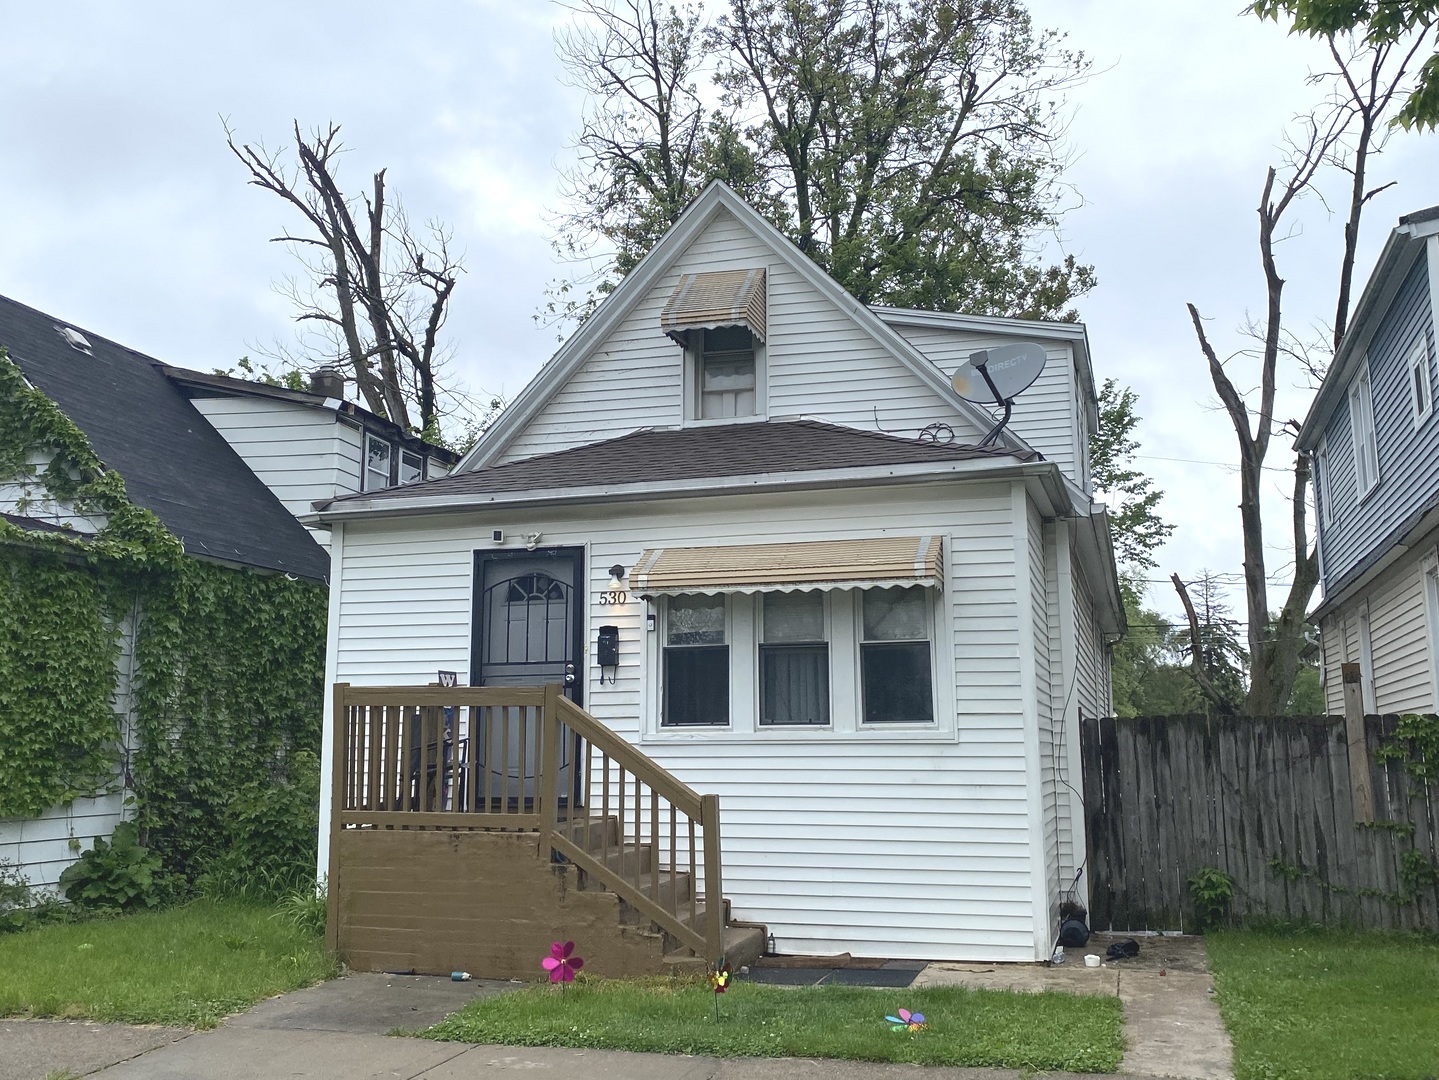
x=966 y=1027
x=1329 y=1005
x=191 y=965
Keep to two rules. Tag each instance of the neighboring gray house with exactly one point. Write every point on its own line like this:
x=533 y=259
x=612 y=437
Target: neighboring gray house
x=1375 y=442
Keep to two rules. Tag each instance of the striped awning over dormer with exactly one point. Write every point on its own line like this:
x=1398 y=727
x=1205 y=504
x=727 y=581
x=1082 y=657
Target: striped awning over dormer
x=817 y=564
x=716 y=298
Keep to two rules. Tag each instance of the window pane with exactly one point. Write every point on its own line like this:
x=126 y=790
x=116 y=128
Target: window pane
x=696 y=686
x=896 y=680
x=729 y=373
x=898 y=614
x=794 y=684
x=412 y=467
x=796 y=616
x=377 y=463
x=728 y=339
x=695 y=620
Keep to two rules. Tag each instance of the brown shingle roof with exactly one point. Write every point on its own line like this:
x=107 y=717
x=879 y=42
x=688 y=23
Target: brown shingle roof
x=657 y=456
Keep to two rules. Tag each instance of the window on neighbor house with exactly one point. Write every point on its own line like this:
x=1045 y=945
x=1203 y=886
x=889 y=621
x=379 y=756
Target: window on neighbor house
x=1361 y=420
x=379 y=459
x=894 y=656
x=725 y=362
x=1323 y=497
x=696 y=663
x=1421 y=393
x=412 y=467
x=794 y=660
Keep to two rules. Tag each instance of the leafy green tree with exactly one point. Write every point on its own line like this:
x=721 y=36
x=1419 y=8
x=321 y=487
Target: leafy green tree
x=910 y=147
x=1147 y=675
x=1378 y=22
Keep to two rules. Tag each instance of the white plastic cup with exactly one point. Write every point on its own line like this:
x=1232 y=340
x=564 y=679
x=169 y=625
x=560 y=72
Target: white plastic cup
x=1091 y=960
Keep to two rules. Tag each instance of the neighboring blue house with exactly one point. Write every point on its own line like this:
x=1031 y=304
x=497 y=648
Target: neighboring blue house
x=1375 y=442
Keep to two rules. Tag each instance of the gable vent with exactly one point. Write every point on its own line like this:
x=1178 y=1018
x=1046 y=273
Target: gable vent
x=75 y=340
x=718 y=298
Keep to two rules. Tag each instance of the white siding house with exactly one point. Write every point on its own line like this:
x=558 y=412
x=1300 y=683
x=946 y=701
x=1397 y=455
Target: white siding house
x=893 y=738
x=1375 y=439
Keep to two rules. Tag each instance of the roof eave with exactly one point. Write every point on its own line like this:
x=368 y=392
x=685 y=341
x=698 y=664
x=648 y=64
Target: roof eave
x=1047 y=473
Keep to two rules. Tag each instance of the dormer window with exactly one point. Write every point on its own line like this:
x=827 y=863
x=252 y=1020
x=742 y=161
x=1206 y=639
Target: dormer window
x=726 y=368
x=378 y=456
x=719 y=318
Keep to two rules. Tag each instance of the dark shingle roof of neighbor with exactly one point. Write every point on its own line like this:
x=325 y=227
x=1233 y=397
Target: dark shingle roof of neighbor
x=172 y=461
x=656 y=456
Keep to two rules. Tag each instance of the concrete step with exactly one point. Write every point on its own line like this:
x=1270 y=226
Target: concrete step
x=743 y=945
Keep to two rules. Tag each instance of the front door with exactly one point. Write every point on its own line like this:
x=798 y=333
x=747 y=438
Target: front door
x=528 y=627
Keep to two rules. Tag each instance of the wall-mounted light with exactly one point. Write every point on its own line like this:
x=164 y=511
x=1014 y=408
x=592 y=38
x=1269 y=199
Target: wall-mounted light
x=617 y=576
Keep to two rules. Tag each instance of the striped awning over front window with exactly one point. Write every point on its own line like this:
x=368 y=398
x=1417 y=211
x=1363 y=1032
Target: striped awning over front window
x=819 y=564
x=716 y=298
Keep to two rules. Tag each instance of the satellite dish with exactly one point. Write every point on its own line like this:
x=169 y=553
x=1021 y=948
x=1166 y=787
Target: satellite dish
x=998 y=376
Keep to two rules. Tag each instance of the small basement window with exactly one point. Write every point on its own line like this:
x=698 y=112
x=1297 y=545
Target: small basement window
x=726 y=368
x=379 y=459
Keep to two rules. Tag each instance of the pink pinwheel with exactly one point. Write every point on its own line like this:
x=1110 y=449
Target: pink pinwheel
x=560 y=964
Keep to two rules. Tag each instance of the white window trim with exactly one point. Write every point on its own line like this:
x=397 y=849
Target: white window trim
x=1362 y=433
x=365 y=469
x=1419 y=363
x=1323 y=494
x=842 y=613
x=690 y=390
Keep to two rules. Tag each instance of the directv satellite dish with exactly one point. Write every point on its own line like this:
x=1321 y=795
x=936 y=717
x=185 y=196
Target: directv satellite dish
x=998 y=376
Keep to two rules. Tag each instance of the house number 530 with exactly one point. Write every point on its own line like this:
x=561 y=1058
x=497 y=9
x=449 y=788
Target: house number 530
x=613 y=596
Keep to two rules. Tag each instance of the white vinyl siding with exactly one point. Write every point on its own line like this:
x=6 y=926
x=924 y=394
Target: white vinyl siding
x=817 y=362
x=300 y=453
x=33 y=499
x=42 y=848
x=1046 y=416
x=907 y=844
x=1400 y=664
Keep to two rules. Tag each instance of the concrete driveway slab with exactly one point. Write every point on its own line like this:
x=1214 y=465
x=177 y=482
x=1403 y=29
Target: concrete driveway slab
x=369 y=1004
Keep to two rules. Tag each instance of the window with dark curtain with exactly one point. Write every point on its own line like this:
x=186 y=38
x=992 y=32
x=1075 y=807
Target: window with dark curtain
x=794 y=661
x=696 y=663
x=894 y=656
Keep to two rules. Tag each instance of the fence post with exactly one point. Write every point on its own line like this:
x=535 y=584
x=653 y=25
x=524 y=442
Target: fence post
x=338 y=765
x=714 y=887
x=546 y=754
x=1358 y=748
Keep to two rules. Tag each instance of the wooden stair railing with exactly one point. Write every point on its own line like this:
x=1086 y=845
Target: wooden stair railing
x=529 y=759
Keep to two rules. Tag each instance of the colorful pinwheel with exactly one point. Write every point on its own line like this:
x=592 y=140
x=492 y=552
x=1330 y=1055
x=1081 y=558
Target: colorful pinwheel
x=907 y=1021
x=560 y=964
x=719 y=976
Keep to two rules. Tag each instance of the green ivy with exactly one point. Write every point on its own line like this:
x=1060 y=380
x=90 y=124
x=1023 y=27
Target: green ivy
x=228 y=670
x=1415 y=742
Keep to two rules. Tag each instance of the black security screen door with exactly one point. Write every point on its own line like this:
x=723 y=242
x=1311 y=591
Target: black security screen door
x=527 y=624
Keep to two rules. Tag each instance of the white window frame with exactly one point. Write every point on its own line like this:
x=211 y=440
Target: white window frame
x=1422 y=401
x=844 y=629
x=365 y=470
x=1369 y=693
x=1361 y=429
x=1323 y=496
x=760 y=600
x=692 y=386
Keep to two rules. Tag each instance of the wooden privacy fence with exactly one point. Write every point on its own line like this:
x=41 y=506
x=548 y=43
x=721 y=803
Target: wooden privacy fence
x=1268 y=800
x=529 y=759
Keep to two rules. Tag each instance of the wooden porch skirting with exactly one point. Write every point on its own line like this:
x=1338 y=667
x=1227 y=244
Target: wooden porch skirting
x=432 y=902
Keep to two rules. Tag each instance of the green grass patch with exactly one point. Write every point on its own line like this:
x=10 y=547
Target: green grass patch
x=966 y=1027
x=1329 y=1005
x=189 y=965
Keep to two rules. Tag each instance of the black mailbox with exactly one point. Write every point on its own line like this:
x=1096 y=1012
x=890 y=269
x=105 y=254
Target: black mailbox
x=608 y=649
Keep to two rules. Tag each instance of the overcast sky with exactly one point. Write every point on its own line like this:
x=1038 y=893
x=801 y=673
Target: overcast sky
x=122 y=211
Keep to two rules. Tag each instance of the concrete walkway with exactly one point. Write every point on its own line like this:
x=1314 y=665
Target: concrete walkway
x=337 y=1030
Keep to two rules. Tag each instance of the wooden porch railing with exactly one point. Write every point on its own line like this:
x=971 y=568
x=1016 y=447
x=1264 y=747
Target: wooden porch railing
x=527 y=758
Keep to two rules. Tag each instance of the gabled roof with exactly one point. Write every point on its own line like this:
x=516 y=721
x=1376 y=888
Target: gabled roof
x=665 y=456
x=172 y=461
x=638 y=283
x=1402 y=249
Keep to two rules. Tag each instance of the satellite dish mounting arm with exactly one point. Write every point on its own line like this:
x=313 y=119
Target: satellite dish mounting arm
x=982 y=366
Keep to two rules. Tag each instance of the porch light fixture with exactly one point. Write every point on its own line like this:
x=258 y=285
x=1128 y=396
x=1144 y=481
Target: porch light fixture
x=617 y=576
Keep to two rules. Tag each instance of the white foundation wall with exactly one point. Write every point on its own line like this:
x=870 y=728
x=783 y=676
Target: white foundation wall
x=901 y=844
x=43 y=847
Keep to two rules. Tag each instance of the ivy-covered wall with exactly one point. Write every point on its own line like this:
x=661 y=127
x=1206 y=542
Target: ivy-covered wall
x=229 y=665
